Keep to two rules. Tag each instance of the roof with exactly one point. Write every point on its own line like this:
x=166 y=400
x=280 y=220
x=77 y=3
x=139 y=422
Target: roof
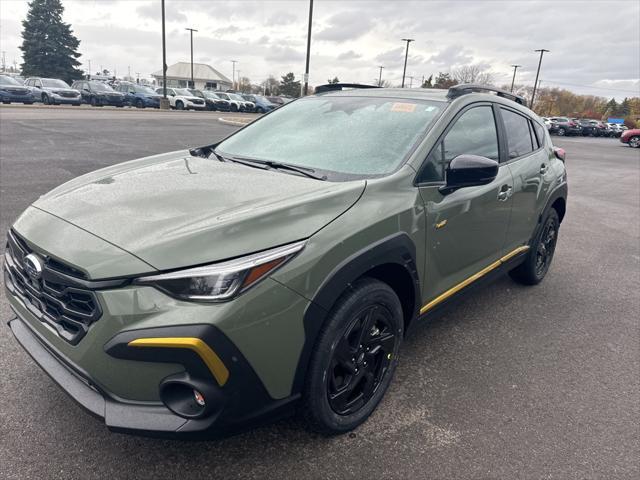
x=201 y=71
x=415 y=93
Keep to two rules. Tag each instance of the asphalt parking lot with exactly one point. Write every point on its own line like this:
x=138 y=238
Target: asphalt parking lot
x=515 y=382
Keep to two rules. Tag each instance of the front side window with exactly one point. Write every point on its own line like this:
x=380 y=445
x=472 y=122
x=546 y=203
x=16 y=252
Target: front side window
x=474 y=133
x=344 y=137
x=518 y=133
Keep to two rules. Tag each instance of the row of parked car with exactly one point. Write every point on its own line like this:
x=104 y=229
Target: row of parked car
x=586 y=127
x=52 y=91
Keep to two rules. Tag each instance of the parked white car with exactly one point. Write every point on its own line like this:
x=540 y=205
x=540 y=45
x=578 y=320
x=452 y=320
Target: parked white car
x=183 y=99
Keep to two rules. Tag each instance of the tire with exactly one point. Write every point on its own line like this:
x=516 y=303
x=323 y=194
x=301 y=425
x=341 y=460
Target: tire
x=45 y=99
x=6 y=103
x=259 y=110
x=76 y=104
x=179 y=105
x=561 y=132
x=94 y=101
x=28 y=103
x=634 y=142
x=234 y=107
x=537 y=262
x=139 y=103
x=340 y=394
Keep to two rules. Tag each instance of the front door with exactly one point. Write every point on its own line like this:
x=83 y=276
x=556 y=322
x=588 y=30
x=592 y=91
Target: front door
x=466 y=229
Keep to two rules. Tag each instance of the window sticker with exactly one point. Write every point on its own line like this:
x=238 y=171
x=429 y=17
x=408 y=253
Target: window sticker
x=403 y=107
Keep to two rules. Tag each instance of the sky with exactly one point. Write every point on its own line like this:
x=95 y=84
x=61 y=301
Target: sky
x=595 y=45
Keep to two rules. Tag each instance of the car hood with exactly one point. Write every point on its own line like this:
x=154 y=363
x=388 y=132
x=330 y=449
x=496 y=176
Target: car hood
x=10 y=86
x=175 y=210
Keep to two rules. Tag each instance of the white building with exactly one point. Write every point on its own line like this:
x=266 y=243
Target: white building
x=204 y=77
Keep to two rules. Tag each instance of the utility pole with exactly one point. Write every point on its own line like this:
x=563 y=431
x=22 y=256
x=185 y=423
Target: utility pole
x=410 y=81
x=406 y=55
x=306 y=68
x=4 y=62
x=164 y=102
x=535 y=84
x=380 y=76
x=239 y=80
x=513 y=80
x=90 y=69
x=137 y=77
x=191 y=30
x=129 y=71
x=233 y=77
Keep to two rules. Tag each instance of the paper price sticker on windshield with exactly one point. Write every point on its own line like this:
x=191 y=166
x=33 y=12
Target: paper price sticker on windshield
x=403 y=107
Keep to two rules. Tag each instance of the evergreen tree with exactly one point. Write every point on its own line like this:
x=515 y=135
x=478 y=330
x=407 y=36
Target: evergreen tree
x=612 y=107
x=289 y=85
x=49 y=48
x=335 y=80
x=625 y=108
x=428 y=83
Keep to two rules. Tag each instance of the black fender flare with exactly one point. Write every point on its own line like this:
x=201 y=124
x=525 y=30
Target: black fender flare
x=396 y=249
x=561 y=191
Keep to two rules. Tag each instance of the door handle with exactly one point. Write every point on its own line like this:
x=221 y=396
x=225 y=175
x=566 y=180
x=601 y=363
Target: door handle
x=505 y=192
x=543 y=169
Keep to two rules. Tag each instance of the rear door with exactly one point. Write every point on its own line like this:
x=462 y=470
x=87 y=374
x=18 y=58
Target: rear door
x=466 y=229
x=529 y=157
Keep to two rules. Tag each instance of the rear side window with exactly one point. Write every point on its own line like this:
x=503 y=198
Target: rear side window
x=518 y=133
x=473 y=133
x=539 y=129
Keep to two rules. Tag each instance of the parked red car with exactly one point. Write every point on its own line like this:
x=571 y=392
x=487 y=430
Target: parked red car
x=631 y=137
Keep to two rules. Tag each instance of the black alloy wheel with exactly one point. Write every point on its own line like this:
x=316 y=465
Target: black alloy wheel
x=45 y=99
x=361 y=359
x=139 y=103
x=354 y=358
x=546 y=246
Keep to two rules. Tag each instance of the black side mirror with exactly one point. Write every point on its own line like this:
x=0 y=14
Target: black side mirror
x=469 y=171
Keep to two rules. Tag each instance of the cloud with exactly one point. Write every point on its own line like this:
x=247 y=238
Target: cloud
x=350 y=55
x=152 y=11
x=280 y=19
x=346 y=26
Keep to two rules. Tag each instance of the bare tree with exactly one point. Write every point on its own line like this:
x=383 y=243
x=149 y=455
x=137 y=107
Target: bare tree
x=271 y=85
x=472 y=74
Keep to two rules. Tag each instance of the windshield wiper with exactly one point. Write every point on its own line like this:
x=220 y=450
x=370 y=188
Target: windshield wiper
x=307 y=172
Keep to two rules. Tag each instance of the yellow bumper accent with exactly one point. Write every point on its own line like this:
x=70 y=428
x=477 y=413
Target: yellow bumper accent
x=465 y=283
x=208 y=356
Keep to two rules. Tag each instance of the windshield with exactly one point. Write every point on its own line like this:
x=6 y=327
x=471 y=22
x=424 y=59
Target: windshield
x=7 y=80
x=222 y=95
x=184 y=92
x=101 y=87
x=211 y=95
x=353 y=136
x=53 y=83
x=145 y=90
x=235 y=96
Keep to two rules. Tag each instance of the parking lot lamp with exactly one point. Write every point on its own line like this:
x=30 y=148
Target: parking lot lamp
x=191 y=30
x=306 y=68
x=513 y=80
x=406 y=55
x=233 y=75
x=164 y=101
x=380 y=76
x=535 y=84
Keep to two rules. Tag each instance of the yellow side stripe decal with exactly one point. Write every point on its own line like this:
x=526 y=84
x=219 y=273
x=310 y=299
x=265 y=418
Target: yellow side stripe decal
x=208 y=356
x=443 y=296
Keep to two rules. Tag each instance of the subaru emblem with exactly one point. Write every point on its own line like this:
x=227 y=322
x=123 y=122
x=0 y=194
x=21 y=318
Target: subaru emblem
x=33 y=266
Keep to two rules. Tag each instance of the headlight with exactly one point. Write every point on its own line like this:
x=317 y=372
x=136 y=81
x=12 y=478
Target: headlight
x=222 y=281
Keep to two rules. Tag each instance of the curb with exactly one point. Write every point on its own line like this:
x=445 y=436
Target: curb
x=237 y=122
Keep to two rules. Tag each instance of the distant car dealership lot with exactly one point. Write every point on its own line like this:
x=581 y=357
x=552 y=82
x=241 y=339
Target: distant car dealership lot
x=508 y=384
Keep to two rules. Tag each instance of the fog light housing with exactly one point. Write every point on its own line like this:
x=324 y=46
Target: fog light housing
x=199 y=398
x=191 y=397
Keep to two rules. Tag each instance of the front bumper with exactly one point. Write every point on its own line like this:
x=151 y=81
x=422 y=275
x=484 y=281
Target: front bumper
x=11 y=97
x=241 y=403
x=65 y=100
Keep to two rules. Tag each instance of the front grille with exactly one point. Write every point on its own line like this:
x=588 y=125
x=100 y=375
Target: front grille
x=197 y=101
x=68 y=94
x=57 y=298
x=18 y=91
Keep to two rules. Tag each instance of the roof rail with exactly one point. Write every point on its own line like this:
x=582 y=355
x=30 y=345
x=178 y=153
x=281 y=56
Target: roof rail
x=330 y=87
x=464 y=88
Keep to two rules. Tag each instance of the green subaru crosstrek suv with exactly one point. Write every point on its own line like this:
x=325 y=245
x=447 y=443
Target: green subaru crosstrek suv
x=281 y=268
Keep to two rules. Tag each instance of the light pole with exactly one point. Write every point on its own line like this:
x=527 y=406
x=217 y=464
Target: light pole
x=513 y=80
x=380 y=76
x=535 y=84
x=191 y=30
x=164 y=101
x=239 y=80
x=233 y=77
x=410 y=81
x=406 y=55
x=306 y=68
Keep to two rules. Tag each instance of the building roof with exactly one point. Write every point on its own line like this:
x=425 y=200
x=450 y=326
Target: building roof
x=201 y=71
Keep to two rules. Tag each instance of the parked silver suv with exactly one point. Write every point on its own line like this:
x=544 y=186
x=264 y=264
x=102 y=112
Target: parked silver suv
x=52 y=91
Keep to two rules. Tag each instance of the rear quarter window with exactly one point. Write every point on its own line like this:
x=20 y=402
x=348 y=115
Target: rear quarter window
x=518 y=134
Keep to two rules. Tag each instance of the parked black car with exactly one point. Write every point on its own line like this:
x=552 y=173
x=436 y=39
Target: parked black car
x=212 y=101
x=99 y=94
x=567 y=126
x=588 y=129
